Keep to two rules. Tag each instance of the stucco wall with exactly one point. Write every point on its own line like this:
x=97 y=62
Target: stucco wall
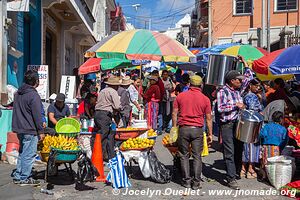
x=225 y=23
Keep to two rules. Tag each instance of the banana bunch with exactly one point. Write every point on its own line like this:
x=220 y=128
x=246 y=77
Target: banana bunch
x=59 y=142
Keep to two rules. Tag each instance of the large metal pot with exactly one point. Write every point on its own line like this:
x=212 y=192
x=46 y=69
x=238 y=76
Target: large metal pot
x=218 y=65
x=248 y=127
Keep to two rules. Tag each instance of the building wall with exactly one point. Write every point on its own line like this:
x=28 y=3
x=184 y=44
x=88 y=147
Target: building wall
x=101 y=12
x=225 y=23
x=52 y=25
x=25 y=36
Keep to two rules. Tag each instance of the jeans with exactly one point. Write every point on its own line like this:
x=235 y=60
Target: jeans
x=233 y=150
x=27 y=153
x=193 y=136
x=103 y=121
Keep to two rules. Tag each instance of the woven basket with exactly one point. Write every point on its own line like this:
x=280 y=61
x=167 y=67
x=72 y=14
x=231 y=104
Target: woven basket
x=44 y=156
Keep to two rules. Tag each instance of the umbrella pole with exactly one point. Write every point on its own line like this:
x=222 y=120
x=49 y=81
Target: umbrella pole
x=141 y=66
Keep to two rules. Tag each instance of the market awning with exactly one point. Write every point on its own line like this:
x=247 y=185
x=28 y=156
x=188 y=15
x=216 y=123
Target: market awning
x=90 y=66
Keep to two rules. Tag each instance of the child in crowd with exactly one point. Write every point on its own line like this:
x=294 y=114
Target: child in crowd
x=273 y=137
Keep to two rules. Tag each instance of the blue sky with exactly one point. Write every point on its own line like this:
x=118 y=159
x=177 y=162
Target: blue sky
x=163 y=13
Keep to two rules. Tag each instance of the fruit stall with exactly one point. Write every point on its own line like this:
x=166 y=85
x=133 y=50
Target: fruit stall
x=62 y=148
x=135 y=142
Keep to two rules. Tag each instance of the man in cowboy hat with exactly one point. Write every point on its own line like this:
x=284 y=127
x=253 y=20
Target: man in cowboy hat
x=108 y=102
x=124 y=94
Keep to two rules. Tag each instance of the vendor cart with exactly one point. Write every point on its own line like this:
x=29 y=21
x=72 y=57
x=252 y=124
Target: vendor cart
x=57 y=157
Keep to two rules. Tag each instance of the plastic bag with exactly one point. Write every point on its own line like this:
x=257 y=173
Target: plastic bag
x=280 y=170
x=11 y=90
x=173 y=135
x=160 y=174
x=205 y=146
x=85 y=144
x=86 y=171
x=144 y=164
x=117 y=175
x=51 y=166
x=12 y=157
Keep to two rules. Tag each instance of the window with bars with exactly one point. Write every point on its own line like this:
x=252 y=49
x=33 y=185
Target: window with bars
x=286 y=5
x=243 y=7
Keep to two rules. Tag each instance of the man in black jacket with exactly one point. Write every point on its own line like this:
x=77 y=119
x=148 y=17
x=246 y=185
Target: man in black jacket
x=27 y=123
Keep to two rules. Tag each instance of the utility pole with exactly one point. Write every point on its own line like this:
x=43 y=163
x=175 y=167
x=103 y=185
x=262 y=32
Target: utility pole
x=3 y=46
x=268 y=26
x=263 y=24
x=209 y=22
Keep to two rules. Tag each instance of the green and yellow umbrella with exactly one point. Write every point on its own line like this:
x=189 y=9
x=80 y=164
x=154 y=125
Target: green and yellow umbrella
x=144 y=45
x=250 y=53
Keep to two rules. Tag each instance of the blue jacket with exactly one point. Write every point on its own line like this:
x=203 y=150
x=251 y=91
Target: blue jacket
x=27 y=113
x=273 y=134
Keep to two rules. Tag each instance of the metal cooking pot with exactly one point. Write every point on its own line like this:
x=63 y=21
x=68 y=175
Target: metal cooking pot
x=249 y=125
x=218 y=65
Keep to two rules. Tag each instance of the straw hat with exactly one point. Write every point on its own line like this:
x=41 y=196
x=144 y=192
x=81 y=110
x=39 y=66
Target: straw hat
x=126 y=81
x=113 y=80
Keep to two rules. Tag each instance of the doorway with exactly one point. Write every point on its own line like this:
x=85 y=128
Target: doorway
x=51 y=60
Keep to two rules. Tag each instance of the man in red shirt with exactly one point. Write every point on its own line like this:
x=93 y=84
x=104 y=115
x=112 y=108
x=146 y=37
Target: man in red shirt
x=190 y=107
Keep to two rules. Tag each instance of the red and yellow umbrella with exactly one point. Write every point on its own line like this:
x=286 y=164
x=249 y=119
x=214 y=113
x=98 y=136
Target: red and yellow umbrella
x=262 y=69
x=144 y=45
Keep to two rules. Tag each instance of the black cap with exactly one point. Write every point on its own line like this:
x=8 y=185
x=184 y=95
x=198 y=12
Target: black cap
x=60 y=97
x=233 y=74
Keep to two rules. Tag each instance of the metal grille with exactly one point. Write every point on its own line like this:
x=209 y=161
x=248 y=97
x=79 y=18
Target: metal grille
x=243 y=6
x=293 y=40
x=283 y=5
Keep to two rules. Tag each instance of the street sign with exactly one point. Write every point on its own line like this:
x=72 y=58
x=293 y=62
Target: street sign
x=43 y=88
x=67 y=86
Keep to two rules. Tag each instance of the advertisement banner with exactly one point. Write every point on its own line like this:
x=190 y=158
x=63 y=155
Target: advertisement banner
x=43 y=78
x=67 y=86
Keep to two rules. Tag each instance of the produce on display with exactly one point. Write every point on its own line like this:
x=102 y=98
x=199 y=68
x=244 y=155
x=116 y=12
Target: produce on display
x=137 y=143
x=167 y=141
x=128 y=129
x=59 y=142
x=152 y=133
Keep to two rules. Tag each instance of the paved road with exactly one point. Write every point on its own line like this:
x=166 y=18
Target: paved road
x=213 y=176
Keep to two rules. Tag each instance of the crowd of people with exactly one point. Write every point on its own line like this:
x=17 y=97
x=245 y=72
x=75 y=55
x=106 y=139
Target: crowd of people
x=169 y=100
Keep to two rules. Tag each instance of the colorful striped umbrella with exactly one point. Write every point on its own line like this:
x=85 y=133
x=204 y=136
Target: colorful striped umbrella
x=287 y=62
x=267 y=65
x=144 y=45
x=90 y=53
x=249 y=52
x=96 y=64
